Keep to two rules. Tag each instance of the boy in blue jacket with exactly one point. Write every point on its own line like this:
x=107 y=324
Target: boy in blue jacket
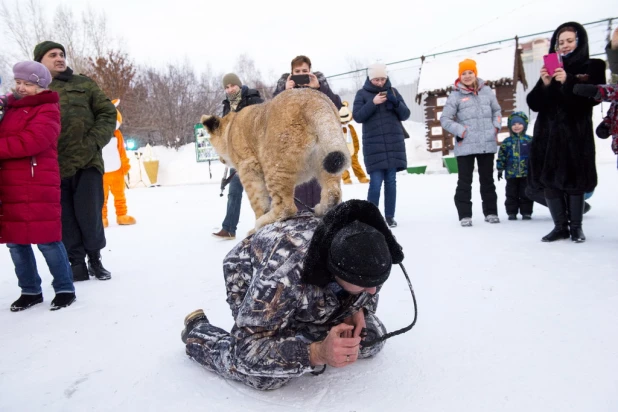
x=513 y=158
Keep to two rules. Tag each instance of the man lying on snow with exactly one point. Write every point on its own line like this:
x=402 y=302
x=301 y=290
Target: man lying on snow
x=301 y=291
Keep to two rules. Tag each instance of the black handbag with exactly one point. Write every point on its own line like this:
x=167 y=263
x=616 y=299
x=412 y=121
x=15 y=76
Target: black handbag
x=405 y=132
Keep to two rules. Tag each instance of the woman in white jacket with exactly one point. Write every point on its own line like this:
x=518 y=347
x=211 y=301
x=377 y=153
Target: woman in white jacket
x=472 y=115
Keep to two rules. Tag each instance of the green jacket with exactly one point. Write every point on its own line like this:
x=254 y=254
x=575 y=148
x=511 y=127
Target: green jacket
x=88 y=121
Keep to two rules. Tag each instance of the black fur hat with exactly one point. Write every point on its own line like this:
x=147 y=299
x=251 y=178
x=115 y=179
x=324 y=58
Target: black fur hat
x=316 y=265
x=359 y=255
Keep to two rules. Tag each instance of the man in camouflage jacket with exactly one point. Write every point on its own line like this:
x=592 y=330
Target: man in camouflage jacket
x=88 y=121
x=300 y=292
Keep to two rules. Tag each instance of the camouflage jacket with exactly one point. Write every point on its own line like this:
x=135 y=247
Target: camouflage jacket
x=513 y=155
x=88 y=121
x=276 y=316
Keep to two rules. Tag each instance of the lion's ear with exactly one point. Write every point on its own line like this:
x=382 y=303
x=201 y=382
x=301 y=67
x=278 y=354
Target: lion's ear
x=211 y=123
x=344 y=103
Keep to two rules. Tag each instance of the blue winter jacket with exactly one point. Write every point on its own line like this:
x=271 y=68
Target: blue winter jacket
x=383 y=139
x=515 y=149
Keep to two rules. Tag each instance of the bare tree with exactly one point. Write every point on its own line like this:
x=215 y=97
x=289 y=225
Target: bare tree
x=359 y=66
x=25 y=25
x=251 y=76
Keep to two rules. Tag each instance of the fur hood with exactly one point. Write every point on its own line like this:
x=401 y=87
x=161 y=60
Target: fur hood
x=315 y=271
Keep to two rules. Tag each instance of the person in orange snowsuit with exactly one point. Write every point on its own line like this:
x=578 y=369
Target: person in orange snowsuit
x=116 y=168
x=345 y=116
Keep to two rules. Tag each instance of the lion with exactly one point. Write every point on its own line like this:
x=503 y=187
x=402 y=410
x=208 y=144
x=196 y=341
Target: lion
x=280 y=144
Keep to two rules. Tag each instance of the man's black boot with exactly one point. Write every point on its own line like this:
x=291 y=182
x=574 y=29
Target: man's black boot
x=576 y=207
x=95 y=266
x=557 y=208
x=80 y=271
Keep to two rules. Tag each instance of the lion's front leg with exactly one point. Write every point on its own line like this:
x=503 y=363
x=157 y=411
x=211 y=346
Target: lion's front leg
x=252 y=179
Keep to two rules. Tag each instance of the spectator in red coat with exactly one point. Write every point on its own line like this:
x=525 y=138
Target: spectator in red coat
x=30 y=209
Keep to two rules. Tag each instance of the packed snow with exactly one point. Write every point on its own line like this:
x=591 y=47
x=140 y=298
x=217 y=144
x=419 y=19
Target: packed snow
x=506 y=323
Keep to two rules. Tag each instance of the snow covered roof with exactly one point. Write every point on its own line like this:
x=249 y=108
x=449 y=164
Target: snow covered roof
x=493 y=63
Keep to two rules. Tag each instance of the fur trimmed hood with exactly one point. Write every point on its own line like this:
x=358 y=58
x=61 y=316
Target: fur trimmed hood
x=315 y=270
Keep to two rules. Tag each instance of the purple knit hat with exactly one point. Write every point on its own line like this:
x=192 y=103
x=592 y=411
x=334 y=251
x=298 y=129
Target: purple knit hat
x=33 y=72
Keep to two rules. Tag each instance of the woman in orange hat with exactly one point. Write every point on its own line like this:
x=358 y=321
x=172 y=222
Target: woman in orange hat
x=472 y=114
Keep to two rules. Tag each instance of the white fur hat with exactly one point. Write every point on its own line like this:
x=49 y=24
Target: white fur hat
x=377 y=70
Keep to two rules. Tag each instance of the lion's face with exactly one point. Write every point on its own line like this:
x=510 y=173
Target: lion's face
x=215 y=130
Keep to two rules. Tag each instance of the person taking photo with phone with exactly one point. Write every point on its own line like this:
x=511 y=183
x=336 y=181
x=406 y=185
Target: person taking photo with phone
x=307 y=195
x=381 y=109
x=562 y=154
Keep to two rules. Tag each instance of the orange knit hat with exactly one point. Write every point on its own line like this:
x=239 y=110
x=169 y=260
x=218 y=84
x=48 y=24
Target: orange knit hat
x=467 y=64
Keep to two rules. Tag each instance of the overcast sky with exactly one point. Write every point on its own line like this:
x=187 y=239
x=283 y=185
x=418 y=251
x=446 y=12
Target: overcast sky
x=331 y=32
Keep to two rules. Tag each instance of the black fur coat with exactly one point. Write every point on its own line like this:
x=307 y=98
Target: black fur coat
x=562 y=155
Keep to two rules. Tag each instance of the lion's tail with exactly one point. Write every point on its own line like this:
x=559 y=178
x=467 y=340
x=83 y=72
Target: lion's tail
x=331 y=141
x=334 y=162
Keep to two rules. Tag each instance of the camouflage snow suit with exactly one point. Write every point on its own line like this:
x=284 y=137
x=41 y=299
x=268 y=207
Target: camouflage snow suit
x=276 y=316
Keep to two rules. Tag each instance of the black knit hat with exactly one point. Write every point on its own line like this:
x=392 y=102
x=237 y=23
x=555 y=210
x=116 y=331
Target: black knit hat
x=45 y=46
x=359 y=255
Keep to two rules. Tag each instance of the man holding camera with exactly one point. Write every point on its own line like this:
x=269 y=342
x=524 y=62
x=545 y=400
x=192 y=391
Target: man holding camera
x=301 y=71
x=303 y=293
x=307 y=195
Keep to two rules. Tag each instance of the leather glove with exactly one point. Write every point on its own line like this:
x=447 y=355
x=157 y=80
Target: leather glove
x=499 y=175
x=587 y=90
x=603 y=130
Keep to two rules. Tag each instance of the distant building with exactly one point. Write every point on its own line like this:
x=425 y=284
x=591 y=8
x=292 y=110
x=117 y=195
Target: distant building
x=534 y=50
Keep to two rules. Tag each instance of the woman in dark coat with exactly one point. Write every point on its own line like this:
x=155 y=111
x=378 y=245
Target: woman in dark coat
x=381 y=109
x=562 y=157
x=30 y=186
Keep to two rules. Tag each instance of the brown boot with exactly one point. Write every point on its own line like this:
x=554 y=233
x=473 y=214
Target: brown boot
x=224 y=234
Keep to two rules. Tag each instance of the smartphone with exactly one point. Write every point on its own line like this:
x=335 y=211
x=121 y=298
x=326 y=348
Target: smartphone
x=552 y=62
x=300 y=79
x=382 y=93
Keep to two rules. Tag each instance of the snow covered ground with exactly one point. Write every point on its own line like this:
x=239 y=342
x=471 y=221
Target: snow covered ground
x=506 y=323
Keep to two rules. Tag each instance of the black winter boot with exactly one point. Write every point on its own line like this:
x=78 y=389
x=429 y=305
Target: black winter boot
x=80 y=271
x=95 y=266
x=62 y=300
x=26 y=301
x=576 y=207
x=191 y=320
x=557 y=208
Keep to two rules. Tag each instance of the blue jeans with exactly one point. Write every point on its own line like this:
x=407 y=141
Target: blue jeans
x=27 y=274
x=234 y=199
x=389 y=177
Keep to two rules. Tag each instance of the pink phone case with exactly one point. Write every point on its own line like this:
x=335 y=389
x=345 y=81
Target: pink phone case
x=552 y=62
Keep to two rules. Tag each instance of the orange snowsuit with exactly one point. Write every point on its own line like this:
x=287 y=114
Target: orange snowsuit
x=356 y=167
x=114 y=181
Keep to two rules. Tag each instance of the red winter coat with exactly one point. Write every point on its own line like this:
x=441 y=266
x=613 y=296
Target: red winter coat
x=30 y=208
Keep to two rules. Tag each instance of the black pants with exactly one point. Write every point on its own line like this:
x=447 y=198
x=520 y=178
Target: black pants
x=516 y=199
x=82 y=221
x=463 y=193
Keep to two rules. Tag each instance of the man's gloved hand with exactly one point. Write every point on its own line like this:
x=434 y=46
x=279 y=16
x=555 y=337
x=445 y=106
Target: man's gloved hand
x=603 y=130
x=500 y=175
x=587 y=90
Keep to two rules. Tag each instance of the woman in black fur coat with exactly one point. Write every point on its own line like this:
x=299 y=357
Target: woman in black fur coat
x=562 y=157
